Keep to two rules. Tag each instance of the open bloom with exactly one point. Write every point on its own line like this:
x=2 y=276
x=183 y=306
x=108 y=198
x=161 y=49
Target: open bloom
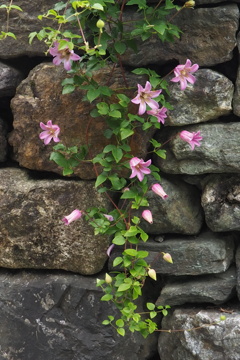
x=147 y=215
x=193 y=138
x=75 y=215
x=139 y=168
x=144 y=98
x=50 y=132
x=160 y=114
x=157 y=188
x=65 y=55
x=183 y=74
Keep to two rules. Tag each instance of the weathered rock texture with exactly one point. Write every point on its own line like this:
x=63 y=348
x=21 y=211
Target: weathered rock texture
x=48 y=316
x=32 y=233
x=201 y=40
x=3 y=141
x=214 y=340
x=208 y=99
x=39 y=98
x=219 y=151
x=10 y=78
x=238 y=270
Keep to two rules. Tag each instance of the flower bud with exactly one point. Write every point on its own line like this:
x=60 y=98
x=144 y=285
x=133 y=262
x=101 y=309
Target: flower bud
x=147 y=215
x=167 y=257
x=100 y=24
x=222 y=317
x=189 y=4
x=152 y=274
x=108 y=278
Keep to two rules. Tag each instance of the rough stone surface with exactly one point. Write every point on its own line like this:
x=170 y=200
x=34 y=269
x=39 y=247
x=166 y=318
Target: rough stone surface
x=220 y=341
x=32 y=234
x=57 y=315
x=208 y=99
x=39 y=98
x=238 y=270
x=180 y=213
x=219 y=151
x=209 y=253
x=199 y=28
x=3 y=141
x=10 y=78
x=22 y=23
x=214 y=289
x=236 y=101
x=221 y=202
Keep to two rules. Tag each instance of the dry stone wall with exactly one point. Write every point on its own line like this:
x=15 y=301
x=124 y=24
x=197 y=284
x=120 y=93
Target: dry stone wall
x=50 y=308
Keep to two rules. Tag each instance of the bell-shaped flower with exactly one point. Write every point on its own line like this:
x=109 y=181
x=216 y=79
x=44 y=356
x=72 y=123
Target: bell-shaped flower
x=152 y=274
x=50 y=132
x=183 y=74
x=160 y=114
x=108 y=278
x=139 y=168
x=64 y=56
x=144 y=98
x=147 y=215
x=193 y=138
x=167 y=257
x=157 y=188
x=109 y=250
x=75 y=215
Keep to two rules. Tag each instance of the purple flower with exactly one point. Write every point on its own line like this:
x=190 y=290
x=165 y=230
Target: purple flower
x=160 y=114
x=191 y=138
x=75 y=215
x=144 y=98
x=157 y=188
x=50 y=132
x=147 y=215
x=139 y=168
x=65 y=55
x=183 y=74
x=109 y=250
x=109 y=217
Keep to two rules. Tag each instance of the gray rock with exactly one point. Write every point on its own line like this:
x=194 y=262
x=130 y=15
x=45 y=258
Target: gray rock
x=213 y=338
x=199 y=28
x=238 y=270
x=215 y=289
x=180 y=213
x=32 y=233
x=221 y=202
x=219 y=151
x=209 y=253
x=57 y=315
x=236 y=101
x=3 y=141
x=10 y=78
x=208 y=99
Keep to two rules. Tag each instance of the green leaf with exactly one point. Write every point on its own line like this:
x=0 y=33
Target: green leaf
x=160 y=27
x=106 y=297
x=119 y=240
x=11 y=35
x=67 y=89
x=153 y=314
x=132 y=231
x=142 y=254
x=161 y=153
x=15 y=7
x=117 y=154
x=125 y=133
x=131 y=252
x=92 y=94
x=105 y=322
x=100 y=179
x=103 y=108
x=121 y=331
x=124 y=287
x=140 y=71
x=115 y=114
x=118 y=260
x=150 y=306
x=97 y=6
x=120 y=323
x=120 y=47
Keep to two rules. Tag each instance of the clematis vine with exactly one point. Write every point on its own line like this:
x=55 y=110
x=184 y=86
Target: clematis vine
x=183 y=74
x=50 y=132
x=160 y=114
x=144 y=98
x=75 y=215
x=193 y=138
x=64 y=56
x=157 y=189
x=139 y=168
x=147 y=215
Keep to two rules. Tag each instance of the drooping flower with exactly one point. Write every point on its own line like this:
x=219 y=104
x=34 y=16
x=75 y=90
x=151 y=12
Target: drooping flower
x=109 y=217
x=152 y=274
x=65 y=55
x=75 y=215
x=139 y=168
x=167 y=257
x=108 y=278
x=109 y=250
x=157 y=188
x=160 y=114
x=50 y=132
x=144 y=98
x=193 y=138
x=147 y=215
x=183 y=74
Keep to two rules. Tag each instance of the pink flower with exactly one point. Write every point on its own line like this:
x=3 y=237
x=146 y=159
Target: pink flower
x=109 y=217
x=157 y=188
x=160 y=114
x=192 y=138
x=75 y=215
x=167 y=257
x=144 y=97
x=183 y=74
x=50 y=132
x=147 y=215
x=139 y=168
x=109 y=250
x=65 y=55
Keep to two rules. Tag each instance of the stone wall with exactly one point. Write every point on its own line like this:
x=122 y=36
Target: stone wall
x=50 y=307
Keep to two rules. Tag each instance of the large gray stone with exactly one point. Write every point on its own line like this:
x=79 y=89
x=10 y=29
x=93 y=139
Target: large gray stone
x=208 y=253
x=46 y=316
x=215 y=289
x=208 y=99
x=236 y=101
x=212 y=340
x=10 y=78
x=219 y=151
x=32 y=234
x=221 y=202
x=238 y=270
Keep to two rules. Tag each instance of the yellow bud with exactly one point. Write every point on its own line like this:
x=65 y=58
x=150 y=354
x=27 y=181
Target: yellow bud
x=108 y=278
x=222 y=317
x=152 y=274
x=189 y=4
x=167 y=257
x=100 y=24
